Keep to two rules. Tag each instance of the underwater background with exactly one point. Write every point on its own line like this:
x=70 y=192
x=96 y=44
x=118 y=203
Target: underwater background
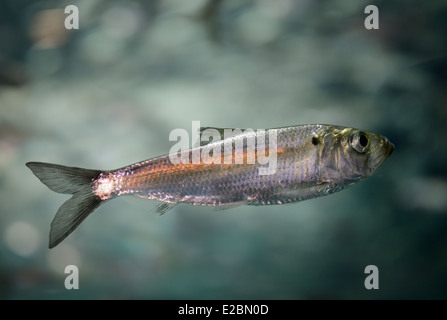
x=108 y=95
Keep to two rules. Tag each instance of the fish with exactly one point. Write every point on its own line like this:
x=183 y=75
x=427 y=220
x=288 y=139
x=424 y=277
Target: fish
x=311 y=161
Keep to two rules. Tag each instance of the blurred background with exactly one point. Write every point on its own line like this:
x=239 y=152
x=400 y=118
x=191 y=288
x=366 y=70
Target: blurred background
x=108 y=95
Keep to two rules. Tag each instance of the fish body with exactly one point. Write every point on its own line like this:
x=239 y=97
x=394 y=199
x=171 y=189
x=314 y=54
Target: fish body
x=309 y=161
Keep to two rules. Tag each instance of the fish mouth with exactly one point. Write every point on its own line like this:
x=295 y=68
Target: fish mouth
x=390 y=148
x=386 y=151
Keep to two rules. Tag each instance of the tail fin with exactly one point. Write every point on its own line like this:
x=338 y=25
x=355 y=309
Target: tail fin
x=68 y=180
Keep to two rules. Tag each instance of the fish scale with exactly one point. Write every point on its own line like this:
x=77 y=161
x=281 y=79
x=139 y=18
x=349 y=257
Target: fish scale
x=307 y=161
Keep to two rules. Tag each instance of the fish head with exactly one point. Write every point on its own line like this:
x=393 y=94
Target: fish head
x=349 y=155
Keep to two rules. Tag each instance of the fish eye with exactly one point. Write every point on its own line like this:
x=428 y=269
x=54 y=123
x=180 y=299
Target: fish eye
x=359 y=141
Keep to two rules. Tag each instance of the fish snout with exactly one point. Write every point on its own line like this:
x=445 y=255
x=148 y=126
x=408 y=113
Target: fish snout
x=380 y=153
x=389 y=147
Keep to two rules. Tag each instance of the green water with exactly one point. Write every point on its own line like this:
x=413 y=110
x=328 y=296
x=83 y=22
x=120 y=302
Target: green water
x=108 y=94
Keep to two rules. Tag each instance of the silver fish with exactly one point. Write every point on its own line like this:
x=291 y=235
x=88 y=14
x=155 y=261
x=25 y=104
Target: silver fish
x=311 y=161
